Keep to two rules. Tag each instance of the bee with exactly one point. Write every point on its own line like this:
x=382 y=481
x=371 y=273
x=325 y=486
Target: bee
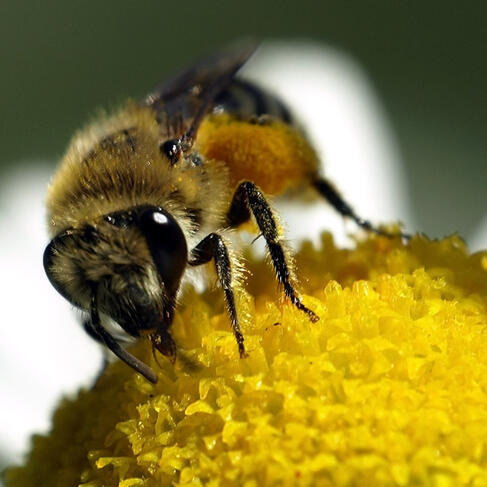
x=145 y=194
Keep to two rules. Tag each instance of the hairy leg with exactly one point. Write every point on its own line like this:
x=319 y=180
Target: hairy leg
x=214 y=247
x=249 y=198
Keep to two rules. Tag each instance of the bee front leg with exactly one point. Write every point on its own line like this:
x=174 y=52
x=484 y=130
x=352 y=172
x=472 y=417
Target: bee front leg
x=214 y=247
x=249 y=198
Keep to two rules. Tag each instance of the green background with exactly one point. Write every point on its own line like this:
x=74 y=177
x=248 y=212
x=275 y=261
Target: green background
x=60 y=60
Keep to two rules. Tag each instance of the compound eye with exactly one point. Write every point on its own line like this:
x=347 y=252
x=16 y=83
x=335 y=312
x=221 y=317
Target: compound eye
x=167 y=245
x=172 y=150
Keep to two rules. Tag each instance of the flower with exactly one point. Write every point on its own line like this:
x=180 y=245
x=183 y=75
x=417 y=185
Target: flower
x=389 y=388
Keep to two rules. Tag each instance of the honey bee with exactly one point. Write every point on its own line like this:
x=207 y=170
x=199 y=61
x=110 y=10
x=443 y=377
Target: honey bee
x=144 y=194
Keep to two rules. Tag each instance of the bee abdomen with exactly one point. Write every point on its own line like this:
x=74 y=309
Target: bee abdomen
x=245 y=99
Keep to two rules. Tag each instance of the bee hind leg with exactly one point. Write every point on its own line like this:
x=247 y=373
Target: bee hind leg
x=330 y=193
x=213 y=247
x=249 y=198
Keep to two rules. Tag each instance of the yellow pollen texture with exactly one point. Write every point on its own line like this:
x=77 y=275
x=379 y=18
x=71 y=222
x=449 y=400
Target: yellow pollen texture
x=388 y=388
x=253 y=152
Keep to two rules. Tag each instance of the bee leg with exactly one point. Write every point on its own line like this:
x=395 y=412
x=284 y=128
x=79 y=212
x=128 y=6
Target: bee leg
x=214 y=247
x=248 y=197
x=328 y=191
x=96 y=329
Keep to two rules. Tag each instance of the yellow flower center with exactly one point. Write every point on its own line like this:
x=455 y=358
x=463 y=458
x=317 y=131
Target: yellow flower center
x=388 y=388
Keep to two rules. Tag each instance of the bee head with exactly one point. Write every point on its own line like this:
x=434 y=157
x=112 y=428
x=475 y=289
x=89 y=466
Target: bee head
x=132 y=261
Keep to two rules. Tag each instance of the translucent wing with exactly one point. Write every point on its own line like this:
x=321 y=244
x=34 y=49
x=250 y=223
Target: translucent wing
x=181 y=102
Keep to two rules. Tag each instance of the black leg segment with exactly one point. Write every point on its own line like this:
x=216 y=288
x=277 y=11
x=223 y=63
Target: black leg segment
x=248 y=197
x=96 y=330
x=213 y=247
x=328 y=191
x=239 y=210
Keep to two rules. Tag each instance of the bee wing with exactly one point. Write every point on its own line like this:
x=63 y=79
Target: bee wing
x=182 y=101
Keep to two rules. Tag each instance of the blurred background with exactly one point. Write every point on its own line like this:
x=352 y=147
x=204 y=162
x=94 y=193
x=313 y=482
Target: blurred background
x=426 y=60
x=404 y=89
